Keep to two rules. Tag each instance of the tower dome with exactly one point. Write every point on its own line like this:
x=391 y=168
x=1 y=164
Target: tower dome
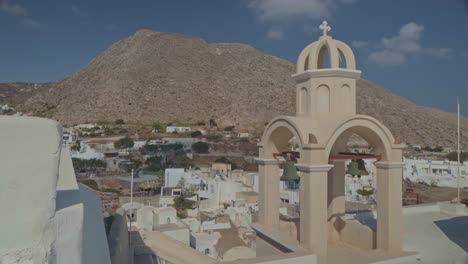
x=313 y=56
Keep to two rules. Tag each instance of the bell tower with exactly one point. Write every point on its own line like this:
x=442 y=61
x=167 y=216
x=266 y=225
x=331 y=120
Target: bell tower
x=326 y=78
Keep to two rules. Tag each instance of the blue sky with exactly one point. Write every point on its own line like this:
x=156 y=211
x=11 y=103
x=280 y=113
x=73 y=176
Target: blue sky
x=417 y=49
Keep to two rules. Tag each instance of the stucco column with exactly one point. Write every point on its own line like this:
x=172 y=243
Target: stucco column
x=314 y=204
x=269 y=195
x=336 y=197
x=389 y=205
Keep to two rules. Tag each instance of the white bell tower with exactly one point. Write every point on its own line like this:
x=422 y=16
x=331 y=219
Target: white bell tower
x=326 y=91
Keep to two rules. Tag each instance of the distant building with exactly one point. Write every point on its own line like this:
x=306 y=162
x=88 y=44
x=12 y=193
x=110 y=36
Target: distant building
x=139 y=144
x=205 y=242
x=172 y=177
x=417 y=147
x=164 y=220
x=178 y=129
x=221 y=168
x=87 y=152
x=243 y=135
x=68 y=137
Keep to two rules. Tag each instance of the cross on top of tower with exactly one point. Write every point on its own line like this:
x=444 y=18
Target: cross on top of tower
x=325 y=28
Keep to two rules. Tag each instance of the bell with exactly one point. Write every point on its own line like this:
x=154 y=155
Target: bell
x=357 y=167
x=289 y=173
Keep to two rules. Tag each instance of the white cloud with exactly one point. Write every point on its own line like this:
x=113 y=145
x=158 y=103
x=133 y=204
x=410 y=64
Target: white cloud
x=407 y=40
x=359 y=44
x=387 y=57
x=14 y=9
x=275 y=33
x=280 y=10
x=17 y=10
x=396 y=50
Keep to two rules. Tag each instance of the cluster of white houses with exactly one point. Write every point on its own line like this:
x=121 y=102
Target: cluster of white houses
x=239 y=215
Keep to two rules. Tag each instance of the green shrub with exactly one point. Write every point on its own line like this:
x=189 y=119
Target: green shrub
x=365 y=192
x=200 y=147
x=229 y=128
x=90 y=183
x=453 y=156
x=196 y=134
x=91 y=164
x=125 y=142
x=119 y=122
x=464 y=201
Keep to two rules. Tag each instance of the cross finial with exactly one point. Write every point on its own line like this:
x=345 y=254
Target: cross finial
x=325 y=28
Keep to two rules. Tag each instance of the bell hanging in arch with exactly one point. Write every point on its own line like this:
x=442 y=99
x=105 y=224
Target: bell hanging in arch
x=289 y=173
x=357 y=167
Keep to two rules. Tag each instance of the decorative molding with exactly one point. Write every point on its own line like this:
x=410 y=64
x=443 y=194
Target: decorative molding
x=314 y=168
x=332 y=72
x=389 y=165
x=267 y=161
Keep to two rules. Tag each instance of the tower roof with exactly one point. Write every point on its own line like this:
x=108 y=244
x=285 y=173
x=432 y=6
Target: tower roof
x=313 y=56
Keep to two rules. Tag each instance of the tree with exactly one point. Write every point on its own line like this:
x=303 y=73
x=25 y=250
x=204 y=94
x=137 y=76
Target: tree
x=154 y=163
x=200 y=147
x=453 y=156
x=76 y=146
x=91 y=164
x=196 y=134
x=213 y=123
x=436 y=149
x=159 y=126
x=136 y=163
x=119 y=122
x=181 y=182
x=125 y=142
x=181 y=160
x=225 y=160
x=229 y=128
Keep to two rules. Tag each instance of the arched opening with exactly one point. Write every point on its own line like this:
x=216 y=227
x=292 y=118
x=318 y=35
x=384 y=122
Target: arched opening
x=323 y=99
x=324 y=59
x=304 y=101
x=306 y=63
x=342 y=59
x=352 y=183
x=283 y=144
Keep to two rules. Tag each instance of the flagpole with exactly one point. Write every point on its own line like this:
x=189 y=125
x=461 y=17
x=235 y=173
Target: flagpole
x=131 y=200
x=458 y=151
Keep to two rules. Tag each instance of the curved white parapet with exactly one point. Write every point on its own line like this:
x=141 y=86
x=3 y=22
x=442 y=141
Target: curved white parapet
x=29 y=163
x=46 y=217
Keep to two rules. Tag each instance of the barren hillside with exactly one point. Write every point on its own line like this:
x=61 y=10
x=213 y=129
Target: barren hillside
x=154 y=76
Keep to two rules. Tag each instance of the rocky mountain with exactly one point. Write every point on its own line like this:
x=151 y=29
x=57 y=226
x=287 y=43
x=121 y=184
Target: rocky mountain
x=162 y=77
x=15 y=93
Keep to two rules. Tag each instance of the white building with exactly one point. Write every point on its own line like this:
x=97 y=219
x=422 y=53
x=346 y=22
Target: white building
x=218 y=192
x=87 y=152
x=243 y=135
x=438 y=172
x=178 y=129
x=205 y=242
x=139 y=144
x=172 y=177
x=164 y=220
